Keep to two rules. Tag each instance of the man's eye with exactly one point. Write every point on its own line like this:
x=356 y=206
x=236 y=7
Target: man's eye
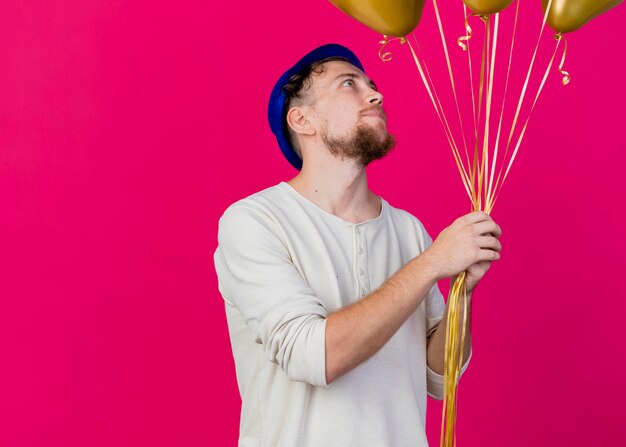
x=348 y=80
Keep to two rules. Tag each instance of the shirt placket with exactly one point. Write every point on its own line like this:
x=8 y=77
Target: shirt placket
x=361 y=262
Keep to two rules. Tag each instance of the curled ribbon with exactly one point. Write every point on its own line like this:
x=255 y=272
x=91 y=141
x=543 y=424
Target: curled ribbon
x=566 y=75
x=468 y=35
x=468 y=31
x=387 y=56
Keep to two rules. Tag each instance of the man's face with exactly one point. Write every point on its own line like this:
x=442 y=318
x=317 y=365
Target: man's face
x=348 y=115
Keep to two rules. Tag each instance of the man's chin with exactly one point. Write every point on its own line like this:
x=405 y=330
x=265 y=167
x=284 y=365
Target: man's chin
x=382 y=134
x=367 y=143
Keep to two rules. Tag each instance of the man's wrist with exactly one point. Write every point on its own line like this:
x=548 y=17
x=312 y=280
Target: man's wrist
x=428 y=265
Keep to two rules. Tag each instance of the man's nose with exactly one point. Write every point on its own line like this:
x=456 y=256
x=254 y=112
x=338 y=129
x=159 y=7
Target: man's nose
x=376 y=97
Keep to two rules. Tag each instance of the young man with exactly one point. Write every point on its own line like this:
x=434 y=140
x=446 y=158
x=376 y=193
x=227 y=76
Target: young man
x=336 y=321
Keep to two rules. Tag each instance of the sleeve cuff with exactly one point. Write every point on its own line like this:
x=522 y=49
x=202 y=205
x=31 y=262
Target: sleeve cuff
x=307 y=354
x=435 y=381
x=321 y=365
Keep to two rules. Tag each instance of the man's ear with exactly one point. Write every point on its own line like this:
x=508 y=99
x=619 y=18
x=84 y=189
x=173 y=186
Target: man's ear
x=298 y=122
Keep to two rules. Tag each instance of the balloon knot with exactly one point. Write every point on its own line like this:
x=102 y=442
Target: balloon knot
x=386 y=56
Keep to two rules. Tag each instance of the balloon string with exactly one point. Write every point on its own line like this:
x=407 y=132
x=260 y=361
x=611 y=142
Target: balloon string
x=521 y=99
x=451 y=75
x=481 y=87
x=467 y=178
x=463 y=41
x=506 y=86
x=432 y=94
x=453 y=358
x=448 y=402
x=484 y=83
x=492 y=63
x=452 y=364
x=461 y=346
x=466 y=48
x=519 y=140
x=451 y=370
x=566 y=75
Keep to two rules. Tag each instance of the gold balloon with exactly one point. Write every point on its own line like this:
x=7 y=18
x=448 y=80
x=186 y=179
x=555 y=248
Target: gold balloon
x=390 y=17
x=569 y=15
x=484 y=7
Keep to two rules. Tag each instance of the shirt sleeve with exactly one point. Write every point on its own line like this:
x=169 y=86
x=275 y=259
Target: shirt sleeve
x=435 y=381
x=435 y=307
x=258 y=277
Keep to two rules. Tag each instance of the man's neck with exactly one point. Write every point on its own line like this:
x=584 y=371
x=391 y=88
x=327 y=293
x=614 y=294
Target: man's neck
x=344 y=194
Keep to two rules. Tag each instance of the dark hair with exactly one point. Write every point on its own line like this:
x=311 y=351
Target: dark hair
x=296 y=90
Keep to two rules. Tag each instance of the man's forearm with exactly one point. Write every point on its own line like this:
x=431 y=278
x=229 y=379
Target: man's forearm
x=356 y=332
x=437 y=341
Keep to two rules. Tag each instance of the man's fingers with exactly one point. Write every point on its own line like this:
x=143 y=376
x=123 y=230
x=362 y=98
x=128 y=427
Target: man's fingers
x=489 y=242
x=498 y=232
x=476 y=216
x=480 y=267
x=488 y=255
x=486 y=227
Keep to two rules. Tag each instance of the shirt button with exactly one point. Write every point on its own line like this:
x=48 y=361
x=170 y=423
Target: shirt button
x=362 y=292
x=362 y=271
x=358 y=230
x=361 y=250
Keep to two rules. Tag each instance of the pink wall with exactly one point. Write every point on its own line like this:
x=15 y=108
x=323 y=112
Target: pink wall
x=127 y=127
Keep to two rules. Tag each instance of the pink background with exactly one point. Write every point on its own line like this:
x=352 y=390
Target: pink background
x=127 y=127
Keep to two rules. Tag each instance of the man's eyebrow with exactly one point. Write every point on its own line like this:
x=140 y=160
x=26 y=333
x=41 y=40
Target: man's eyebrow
x=355 y=76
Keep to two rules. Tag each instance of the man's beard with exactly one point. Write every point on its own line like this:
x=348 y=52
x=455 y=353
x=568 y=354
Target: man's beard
x=364 y=145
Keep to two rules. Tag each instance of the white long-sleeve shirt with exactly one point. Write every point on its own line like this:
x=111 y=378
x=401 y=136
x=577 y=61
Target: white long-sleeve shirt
x=283 y=264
